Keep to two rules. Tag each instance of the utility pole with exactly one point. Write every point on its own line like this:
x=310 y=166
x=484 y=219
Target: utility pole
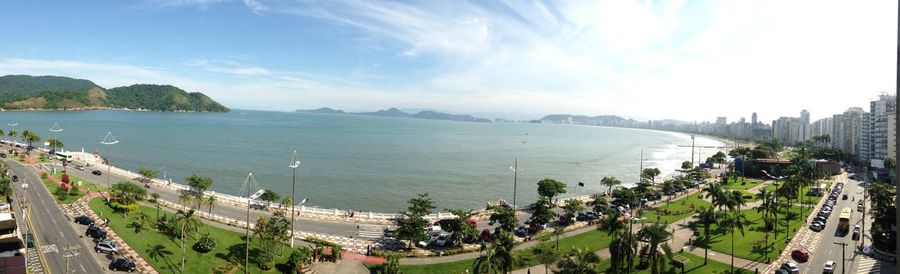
x=515 y=169
x=295 y=163
x=862 y=234
x=109 y=140
x=68 y=252
x=692 y=151
x=843 y=256
x=251 y=188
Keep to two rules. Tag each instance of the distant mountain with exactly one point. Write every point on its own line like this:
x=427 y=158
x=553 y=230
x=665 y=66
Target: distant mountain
x=601 y=120
x=24 y=92
x=391 y=112
x=445 y=116
x=325 y=110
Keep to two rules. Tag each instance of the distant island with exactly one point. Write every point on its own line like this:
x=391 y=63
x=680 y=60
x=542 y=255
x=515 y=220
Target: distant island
x=25 y=92
x=394 y=112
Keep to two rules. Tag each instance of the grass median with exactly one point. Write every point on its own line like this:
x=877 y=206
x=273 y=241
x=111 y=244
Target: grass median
x=164 y=252
x=751 y=245
x=675 y=210
x=742 y=183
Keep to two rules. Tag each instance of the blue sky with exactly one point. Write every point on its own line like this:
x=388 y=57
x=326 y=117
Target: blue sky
x=519 y=59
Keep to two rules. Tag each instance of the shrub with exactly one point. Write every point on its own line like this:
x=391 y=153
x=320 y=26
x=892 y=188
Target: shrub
x=44 y=176
x=206 y=244
x=119 y=207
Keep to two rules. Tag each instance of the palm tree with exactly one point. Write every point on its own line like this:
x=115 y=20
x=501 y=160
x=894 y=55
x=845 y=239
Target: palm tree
x=199 y=201
x=767 y=208
x=611 y=223
x=579 y=260
x=30 y=137
x=503 y=252
x=707 y=216
x=159 y=251
x=139 y=221
x=656 y=235
x=185 y=199
x=287 y=202
x=210 y=203
x=486 y=263
x=735 y=221
x=621 y=245
x=610 y=182
x=734 y=200
x=716 y=193
x=188 y=223
x=13 y=134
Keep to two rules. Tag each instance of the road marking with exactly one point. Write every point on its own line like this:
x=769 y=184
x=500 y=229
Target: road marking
x=61 y=235
x=50 y=249
x=82 y=268
x=54 y=221
x=868 y=265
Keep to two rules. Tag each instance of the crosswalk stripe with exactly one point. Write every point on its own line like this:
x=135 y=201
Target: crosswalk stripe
x=868 y=265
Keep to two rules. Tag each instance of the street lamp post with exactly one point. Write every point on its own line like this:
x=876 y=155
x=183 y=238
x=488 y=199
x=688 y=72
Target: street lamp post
x=515 y=170
x=843 y=256
x=692 y=151
x=109 y=140
x=251 y=189
x=778 y=187
x=295 y=163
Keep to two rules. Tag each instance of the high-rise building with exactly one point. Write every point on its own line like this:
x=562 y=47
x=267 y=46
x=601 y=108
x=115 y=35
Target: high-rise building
x=803 y=126
x=851 y=126
x=837 y=131
x=880 y=110
x=822 y=127
x=865 y=147
x=753 y=119
x=892 y=135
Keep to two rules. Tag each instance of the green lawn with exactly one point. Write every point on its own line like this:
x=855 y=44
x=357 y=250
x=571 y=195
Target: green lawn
x=751 y=244
x=196 y=262
x=593 y=240
x=742 y=183
x=676 y=210
x=694 y=265
x=808 y=199
x=52 y=187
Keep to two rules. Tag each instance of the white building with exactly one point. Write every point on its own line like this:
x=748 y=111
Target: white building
x=879 y=126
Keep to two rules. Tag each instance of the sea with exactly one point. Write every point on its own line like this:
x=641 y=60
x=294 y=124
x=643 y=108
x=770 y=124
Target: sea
x=367 y=163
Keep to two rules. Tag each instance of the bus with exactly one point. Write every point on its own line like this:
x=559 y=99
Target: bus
x=844 y=225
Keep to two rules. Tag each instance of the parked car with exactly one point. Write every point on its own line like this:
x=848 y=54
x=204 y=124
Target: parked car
x=829 y=267
x=2 y=155
x=791 y=267
x=782 y=271
x=4 y=206
x=801 y=255
x=816 y=227
x=441 y=240
x=95 y=232
x=15 y=178
x=821 y=219
x=856 y=232
x=844 y=197
x=521 y=231
x=79 y=168
x=97 y=172
x=122 y=264
x=106 y=246
x=486 y=235
x=84 y=220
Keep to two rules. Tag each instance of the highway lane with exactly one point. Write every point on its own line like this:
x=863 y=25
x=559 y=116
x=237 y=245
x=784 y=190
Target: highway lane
x=53 y=229
x=827 y=250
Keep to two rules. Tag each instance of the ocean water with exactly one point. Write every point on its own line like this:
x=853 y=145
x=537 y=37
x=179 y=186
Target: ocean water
x=366 y=163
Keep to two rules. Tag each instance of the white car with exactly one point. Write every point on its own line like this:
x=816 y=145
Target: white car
x=4 y=206
x=441 y=240
x=791 y=267
x=829 y=267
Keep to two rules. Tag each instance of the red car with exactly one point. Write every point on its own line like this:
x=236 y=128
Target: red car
x=486 y=235
x=801 y=255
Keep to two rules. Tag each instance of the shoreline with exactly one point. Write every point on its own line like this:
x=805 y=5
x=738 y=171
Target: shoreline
x=104 y=109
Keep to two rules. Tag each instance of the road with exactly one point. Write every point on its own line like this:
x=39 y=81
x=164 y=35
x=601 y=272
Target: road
x=53 y=230
x=827 y=250
x=301 y=223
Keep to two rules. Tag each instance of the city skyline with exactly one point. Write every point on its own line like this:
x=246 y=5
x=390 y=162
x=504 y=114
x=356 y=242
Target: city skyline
x=507 y=60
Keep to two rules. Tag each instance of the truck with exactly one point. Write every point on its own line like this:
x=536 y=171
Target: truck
x=844 y=225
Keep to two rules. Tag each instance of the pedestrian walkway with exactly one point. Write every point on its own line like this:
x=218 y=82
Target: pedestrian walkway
x=870 y=265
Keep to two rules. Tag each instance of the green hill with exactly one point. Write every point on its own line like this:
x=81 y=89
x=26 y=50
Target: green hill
x=62 y=93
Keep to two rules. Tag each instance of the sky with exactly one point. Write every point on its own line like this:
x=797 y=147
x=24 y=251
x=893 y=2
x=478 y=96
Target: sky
x=686 y=60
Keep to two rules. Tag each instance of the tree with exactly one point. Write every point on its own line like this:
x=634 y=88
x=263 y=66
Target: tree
x=707 y=216
x=139 y=221
x=541 y=212
x=550 y=188
x=656 y=235
x=188 y=223
x=503 y=252
x=199 y=183
x=506 y=217
x=610 y=182
x=460 y=226
x=128 y=192
x=572 y=207
x=650 y=174
x=147 y=173
x=621 y=246
x=30 y=137
x=579 y=261
x=735 y=221
x=210 y=203
x=287 y=202
x=269 y=196
x=716 y=193
x=13 y=134
x=734 y=200
x=56 y=144
x=155 y=197
x=412 y=223
x=391 y=265
x=611 y=224
x=185 y=199
x=768 y=207
x=487 y=263
x=599 y=204
x=686 y=165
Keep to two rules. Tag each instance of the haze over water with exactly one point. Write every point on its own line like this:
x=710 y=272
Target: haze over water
x=367 y=163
